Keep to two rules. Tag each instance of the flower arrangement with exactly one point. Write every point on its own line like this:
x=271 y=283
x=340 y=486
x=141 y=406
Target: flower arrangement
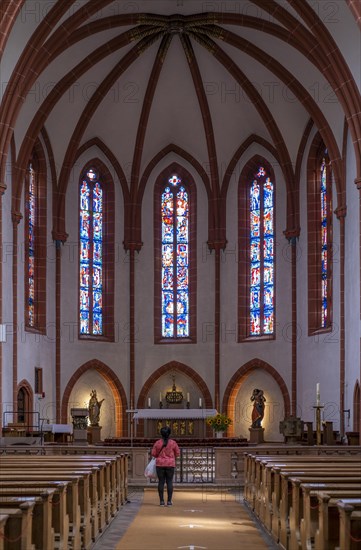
x=219 y=423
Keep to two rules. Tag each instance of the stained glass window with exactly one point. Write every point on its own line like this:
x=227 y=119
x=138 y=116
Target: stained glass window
x=175 y=259
x=91 y=255
x=32 y=214
x=324 y=243
x=261 y=245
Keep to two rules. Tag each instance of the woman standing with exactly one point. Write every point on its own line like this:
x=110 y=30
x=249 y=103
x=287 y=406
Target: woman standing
x=166 y=451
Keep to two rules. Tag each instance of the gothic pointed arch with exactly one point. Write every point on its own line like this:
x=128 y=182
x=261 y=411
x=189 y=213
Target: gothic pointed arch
x=256 y=244
x=96 y=252
x=239 y=376
x=25 y=406
x=118 y=392
x=175 y=269
x=35 y=226
x=320 y=238
x=175 y=366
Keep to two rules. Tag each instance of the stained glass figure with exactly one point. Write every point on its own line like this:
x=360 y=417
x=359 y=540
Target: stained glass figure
x=261 y=274
x=324 y=244
x=91 y=257
x=175 y=259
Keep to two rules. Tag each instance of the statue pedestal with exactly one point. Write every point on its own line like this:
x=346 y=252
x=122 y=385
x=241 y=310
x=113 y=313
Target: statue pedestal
x=94 y=434
x=256 y=435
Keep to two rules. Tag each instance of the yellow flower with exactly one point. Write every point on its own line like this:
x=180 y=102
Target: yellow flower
x=219 y=422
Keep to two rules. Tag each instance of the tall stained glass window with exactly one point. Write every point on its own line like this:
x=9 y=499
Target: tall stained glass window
x=175 y=259
x=261 y=247
x=319 y=245
x=324 y=242
x=32 y=196
x=91 y=255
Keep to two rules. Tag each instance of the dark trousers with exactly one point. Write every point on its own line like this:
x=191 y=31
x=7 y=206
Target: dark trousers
x=165 y=475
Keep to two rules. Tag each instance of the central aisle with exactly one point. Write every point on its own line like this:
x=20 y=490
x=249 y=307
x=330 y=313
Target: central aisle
x=198 y=519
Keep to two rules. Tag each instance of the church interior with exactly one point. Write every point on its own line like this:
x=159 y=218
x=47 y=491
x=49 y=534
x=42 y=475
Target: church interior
x=180 y=224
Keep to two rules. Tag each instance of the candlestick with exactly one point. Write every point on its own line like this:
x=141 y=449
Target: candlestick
x=318 y=401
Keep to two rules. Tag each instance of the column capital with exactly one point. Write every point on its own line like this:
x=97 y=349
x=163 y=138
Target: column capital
x=358 y=182
x=341 y=212
x=133 y=245
x=16 y=217
x=217 y=244
x=59 y=236
x=3 y=188
x=292 y=234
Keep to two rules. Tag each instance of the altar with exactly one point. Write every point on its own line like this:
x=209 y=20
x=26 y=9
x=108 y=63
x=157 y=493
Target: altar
x=182 y=422
x=58 y=432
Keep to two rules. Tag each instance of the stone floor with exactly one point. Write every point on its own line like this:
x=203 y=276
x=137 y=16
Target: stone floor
x=112 y=535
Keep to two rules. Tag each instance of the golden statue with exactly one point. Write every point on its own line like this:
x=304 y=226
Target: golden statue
x=94 y=408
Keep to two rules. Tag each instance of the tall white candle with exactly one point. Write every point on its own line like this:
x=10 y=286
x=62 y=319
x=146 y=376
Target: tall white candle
x=187 y=397
x=318 y=401
x=160 y=397
x=200 y=401
x=149 y=402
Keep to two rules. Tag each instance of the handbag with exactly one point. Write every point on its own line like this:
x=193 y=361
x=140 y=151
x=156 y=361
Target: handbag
x=151 y=469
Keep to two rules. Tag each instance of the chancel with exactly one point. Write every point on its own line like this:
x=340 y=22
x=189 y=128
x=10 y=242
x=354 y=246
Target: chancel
x=180 y=236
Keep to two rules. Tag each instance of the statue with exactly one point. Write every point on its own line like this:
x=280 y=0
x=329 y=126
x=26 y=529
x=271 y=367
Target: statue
x=258 y=407
x=94 y=408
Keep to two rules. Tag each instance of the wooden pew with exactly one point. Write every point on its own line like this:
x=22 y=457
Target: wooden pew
x=42 y=532
x=268 y=495
x=107 y=486
x=259 y=482
x=17 y=534
x=350 y=523
x=327 y=527
x=60 y=519
x=3 y=520
x=281 y=524
x=309 y=514
x=77 y=532
x=95 y=508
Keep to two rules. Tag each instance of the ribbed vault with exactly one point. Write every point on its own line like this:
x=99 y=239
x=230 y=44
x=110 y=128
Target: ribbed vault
x=180 y=64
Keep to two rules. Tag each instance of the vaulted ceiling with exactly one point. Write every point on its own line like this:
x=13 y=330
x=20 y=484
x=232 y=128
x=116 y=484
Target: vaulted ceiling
x=204 y=79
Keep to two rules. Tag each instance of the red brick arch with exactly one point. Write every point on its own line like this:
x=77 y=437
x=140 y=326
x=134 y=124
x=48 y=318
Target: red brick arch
x=118 y=393
x=173 y=366
x=235 y=383
x=182 y=368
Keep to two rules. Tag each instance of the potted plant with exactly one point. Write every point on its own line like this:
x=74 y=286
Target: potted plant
x=219 y=423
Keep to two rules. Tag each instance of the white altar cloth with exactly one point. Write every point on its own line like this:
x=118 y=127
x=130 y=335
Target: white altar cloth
x=58 y=428
x=158 y=414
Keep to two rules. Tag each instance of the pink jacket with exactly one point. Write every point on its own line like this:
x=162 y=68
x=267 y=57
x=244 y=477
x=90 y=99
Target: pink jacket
x=165 y=457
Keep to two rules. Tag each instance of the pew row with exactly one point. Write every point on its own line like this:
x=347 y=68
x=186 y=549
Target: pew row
x=88 y=492
x=283 y=492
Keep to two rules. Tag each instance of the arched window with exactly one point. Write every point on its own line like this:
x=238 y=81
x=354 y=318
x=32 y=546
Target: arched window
x=175 y=257
x=35 y=242
x=96 y=255
x=256 y=251
x=319 y=211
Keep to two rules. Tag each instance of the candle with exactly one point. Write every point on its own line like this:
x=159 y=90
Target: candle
x=200 y=401
x=318 y=393
x=188 y=397
x=149 y=402
x=160 y=397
